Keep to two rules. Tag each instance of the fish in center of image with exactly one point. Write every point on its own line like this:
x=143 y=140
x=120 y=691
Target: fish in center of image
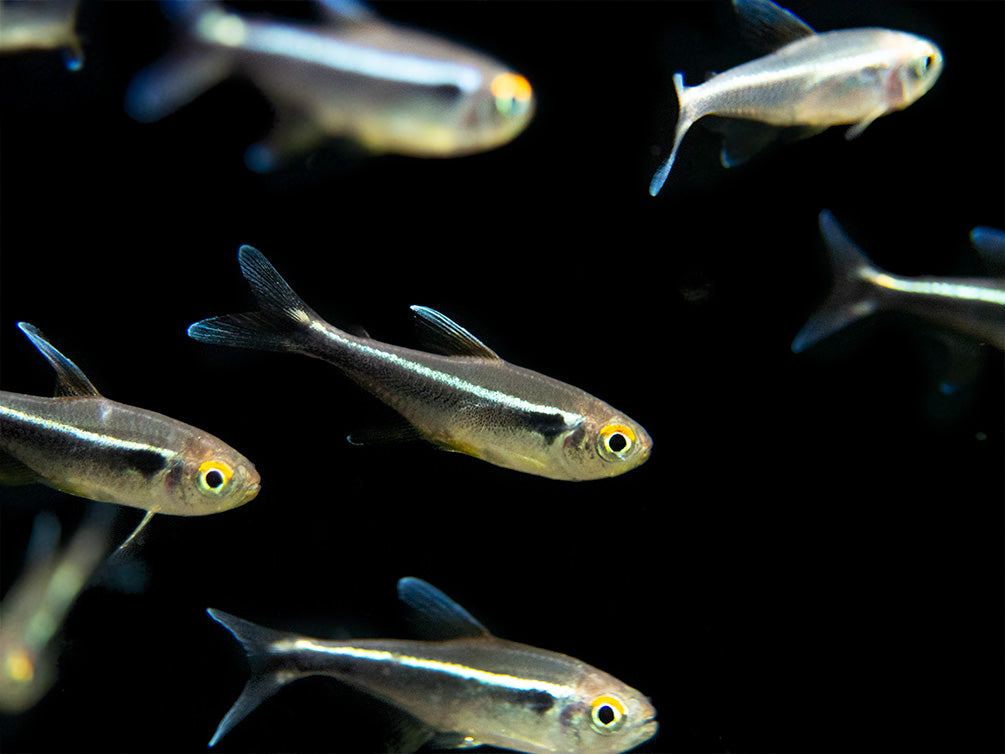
x=467 y=400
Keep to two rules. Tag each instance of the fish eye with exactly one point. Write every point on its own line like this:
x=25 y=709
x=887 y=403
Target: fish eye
x=214 y=475
x=606 y=714
x=512 y=94
x=616 y=441
x=921 y=66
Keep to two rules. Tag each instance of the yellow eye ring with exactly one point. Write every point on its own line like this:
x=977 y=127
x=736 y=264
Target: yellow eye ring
x=213 y=476
x=606 y=714
x=616 y=441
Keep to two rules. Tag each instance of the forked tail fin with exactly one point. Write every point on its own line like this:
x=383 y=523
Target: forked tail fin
x=684 y=121
x=281 y=316
x=265 y=679
x=853 y=294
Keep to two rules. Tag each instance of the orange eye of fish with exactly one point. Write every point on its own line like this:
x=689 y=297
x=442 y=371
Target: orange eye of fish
x=214 y=475
x=616 y=441
x=606 y=714
x=512 y=93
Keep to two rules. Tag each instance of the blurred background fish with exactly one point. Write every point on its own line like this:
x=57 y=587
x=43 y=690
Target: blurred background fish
x=42 y=25
x=466 y=690
x=389 y=88
x=810 y=80
x=36 y=605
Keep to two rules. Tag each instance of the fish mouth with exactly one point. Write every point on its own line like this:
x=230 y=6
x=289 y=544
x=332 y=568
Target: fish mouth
x=251 y=493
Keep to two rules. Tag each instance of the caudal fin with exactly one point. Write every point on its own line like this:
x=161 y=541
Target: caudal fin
x=852 y=295
x=684 y=121
x=281 y=316
x=264 y=680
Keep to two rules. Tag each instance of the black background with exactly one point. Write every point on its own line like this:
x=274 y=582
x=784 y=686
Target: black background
x=810 y=561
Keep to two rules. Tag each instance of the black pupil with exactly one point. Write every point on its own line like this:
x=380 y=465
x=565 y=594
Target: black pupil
x=617 y=442
x=606 y=714
x=214 y=478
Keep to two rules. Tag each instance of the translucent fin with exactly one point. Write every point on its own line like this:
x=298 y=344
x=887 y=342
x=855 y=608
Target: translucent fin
x=282 y=313
x=13 y=472
x=142 y=525
x=684 y=122
x=69 y=379
x=989 y=243
x=174 y=81
x=439 y=616
x=852 y=293
x=342 y=11
x=447 y=337
x=264 y=680
x=767 y=26
x=742 y=139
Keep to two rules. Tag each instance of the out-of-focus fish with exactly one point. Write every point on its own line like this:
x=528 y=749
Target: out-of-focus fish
x=849 y=76
x=36 y=605
x=389 y=88
x=85 y=444
x=41 y=25
x=974 y=307
x=468 y=690
x=469 y=400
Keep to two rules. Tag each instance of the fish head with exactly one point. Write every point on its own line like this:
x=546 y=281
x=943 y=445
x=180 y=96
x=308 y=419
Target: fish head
x=605 y=716
x=497 y=111
x=602 y=447
x=213 y=477
x=918 y=66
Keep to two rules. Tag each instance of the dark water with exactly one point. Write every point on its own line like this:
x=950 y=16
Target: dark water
x=810 y=561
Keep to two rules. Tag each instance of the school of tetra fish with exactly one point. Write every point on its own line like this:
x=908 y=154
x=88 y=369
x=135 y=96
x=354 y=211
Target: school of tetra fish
x=394 y=89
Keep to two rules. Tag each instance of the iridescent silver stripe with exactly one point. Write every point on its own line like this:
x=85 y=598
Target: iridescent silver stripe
x=452 y=669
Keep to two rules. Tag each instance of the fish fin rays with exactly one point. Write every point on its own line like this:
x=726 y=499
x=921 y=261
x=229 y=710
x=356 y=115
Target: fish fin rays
x=13 y=472
x=70 y=380
x=435 y=615
x=852 y=295
x=263 y=682
x=767 y=26
x=743 y=139
x=281 y=315
x=445 y=336
x=140 y=527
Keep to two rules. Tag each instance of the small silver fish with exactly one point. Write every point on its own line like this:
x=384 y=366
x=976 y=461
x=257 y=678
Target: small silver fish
x=469 y=400
x=42 y=25
x=849 y=76
x=36 y=605
x=469 y=690
x=974 y=307
x=87 y=445
x=389 y=88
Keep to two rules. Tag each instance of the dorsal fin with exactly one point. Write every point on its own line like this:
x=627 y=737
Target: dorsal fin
x=346 y=11
x=69 y=379
x=449 y=338
x=767 y=26
x=439 y=617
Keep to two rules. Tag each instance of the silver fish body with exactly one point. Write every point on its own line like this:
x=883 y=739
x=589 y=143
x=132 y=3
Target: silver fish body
x=466 y=691
x=848 y=76
x=974 y=307
x=87 y=445
x=387 y=87
x=471 y=401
